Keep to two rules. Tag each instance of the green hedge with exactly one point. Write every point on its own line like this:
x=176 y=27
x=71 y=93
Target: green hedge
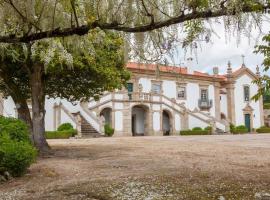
x=16 y=151
x=195 y=132
x=65 y=127
x=263 y=129
x=15 y=156
x=266 y=106
x=109 y=131
x=60 y=134
x=14 y=128
x=238 y=129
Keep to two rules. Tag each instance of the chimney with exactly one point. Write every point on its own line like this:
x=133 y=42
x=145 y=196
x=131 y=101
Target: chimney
x=190 y=69
x=215 y=71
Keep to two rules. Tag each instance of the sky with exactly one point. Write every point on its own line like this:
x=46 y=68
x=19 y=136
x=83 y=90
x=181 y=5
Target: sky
x=219 y=51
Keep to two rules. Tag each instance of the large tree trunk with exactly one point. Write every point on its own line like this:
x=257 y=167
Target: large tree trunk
x=24 y=114
x=38 y=108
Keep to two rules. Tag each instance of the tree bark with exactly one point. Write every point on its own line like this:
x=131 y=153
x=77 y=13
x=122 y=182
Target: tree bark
x=24 y=114
x=38 y=108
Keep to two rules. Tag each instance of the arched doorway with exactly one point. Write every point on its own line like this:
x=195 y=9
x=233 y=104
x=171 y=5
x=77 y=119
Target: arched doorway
x=222 y=116
x=139 y=120
x=166 y=122
x=107 y=114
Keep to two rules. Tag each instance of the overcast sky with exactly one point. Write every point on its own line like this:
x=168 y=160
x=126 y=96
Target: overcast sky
x=219 y=52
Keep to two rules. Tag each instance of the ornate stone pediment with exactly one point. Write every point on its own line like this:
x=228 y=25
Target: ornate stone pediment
x=248 y=108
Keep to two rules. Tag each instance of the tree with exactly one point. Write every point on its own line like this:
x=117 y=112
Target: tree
x=34 y=20
x=264 y=81
x=60 y=69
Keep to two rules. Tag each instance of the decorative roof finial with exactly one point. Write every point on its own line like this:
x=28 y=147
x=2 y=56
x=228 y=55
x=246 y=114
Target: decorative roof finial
x=243 y=61
x=229 y=68
x=258 y=71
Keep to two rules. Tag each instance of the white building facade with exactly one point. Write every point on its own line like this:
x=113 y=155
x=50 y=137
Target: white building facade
x=163 y=100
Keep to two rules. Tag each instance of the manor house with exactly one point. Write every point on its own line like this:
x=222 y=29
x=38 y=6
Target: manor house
x=162 y=100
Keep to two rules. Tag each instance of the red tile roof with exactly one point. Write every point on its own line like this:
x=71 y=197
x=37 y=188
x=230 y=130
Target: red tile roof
x=163 y=68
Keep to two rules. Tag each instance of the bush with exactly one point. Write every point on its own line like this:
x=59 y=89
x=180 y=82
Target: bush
x=109 y=131
x=195 y=132
x=197 y=129
x=208 y=128
x=15 y=129
x=240 y=129
x=60 y=134
x=263 y=129
x=15 y=156
x=266 y=106
x=65 y=127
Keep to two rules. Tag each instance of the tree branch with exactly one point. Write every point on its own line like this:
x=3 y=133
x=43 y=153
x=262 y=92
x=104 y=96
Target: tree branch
x=84 y=29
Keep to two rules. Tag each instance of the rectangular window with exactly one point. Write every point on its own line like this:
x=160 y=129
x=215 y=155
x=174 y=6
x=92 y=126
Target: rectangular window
x=181 y=92
x=204 y=95
x=156 y=88
x=130 y=87
x=246 y=93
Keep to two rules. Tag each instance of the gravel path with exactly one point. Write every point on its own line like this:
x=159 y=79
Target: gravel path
x=174 y=167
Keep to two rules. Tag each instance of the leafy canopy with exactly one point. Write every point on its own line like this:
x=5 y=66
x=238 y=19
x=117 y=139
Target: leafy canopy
x=72 y=72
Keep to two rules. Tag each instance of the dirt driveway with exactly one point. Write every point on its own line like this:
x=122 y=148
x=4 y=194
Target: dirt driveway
x=175 y=167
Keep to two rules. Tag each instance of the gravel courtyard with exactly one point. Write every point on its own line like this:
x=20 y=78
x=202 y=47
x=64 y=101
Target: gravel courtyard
x=169 y=168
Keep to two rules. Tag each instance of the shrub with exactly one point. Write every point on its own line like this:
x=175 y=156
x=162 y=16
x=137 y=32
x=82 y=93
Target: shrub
x=65 y=126
x=195 y=132
x=15 y=129
x=15 y=156
x=240 y=129
x=263 y=129
x=266 y=106
x=232 y=127
x=60 y=134
x=109 y=131
x=208 y=128
x=197 y=129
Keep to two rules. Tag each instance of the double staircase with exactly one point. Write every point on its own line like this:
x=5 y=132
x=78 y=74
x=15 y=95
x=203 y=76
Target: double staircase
x=87 y=130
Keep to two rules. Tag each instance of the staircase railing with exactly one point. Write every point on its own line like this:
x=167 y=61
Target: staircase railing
x=90 y=117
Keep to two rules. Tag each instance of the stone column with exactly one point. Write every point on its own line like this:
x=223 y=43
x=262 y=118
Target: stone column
x=184 y=121
x=230 y=102
x=217 y=100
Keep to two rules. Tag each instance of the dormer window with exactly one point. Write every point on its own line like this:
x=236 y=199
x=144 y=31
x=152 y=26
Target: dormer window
x=246 y=93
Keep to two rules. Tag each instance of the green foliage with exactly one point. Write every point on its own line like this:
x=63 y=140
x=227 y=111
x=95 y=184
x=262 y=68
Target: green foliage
x=15 y=156
x=65 y=126
x=65 y=134
x=263 y=129
x=195 y=132
x=197 y=129
x=240 y=129
x=266 y=106
x=208 y=128
x=15 y=129
x=232 y=127
x=109 y=131
x=264 y=81
x=16 y=151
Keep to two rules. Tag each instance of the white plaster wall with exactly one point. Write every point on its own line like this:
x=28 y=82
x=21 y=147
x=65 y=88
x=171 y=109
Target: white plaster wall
x=146 y=83
x=119 y=105
x=156 y=121
x=177 y=120
x=194 y=122
x=193 y=94
x=118 y=121
x=119 y=96
x=240 y=103
x=223 y=104
x=9 y=108
x=49 y=115
x=211 y=96
x=169 y=88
